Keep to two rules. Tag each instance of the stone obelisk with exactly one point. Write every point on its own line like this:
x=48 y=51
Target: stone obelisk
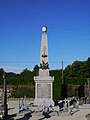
x=44 y=82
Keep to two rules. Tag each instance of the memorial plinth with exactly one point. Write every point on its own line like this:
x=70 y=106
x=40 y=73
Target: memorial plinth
x=44 y=82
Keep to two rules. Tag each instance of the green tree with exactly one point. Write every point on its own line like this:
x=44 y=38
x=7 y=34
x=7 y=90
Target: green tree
x=36 y=70
x=1 y=75
x=26 y=77
x=56 y=84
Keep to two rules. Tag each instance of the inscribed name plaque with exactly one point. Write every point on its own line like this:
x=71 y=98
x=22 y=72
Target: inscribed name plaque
x=43 y=90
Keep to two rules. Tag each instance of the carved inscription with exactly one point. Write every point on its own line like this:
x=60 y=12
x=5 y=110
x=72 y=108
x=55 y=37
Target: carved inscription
x=43 y=90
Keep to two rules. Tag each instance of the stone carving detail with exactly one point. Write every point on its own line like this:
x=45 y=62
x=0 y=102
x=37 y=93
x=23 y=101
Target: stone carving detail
x=44 y=52
x=44 y=65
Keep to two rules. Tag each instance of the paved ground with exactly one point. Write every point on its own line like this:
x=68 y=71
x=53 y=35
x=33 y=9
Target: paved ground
x=13 y=105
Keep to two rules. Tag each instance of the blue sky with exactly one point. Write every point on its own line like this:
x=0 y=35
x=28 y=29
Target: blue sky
x=68 y=23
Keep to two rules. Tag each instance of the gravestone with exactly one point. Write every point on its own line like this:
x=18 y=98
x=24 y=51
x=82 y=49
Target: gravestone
x=44 y=82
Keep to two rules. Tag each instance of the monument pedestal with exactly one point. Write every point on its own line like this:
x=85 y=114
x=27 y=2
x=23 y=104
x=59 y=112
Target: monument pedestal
x=43 y=88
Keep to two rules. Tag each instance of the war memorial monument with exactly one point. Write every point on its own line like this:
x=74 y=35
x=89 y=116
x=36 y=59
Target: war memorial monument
x=44 y=82
x=43 y=105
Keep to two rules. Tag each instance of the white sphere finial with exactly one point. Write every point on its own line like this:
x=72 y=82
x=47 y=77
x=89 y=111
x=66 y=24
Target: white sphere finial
x=44 y=29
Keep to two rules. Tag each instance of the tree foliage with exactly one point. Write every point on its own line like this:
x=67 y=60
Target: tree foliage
x=20 y=91
x=75 y=74
x=56 y=84
x=78 y=72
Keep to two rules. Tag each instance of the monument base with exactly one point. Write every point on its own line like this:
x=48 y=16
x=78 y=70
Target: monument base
x=43 y=102
x=43 y=88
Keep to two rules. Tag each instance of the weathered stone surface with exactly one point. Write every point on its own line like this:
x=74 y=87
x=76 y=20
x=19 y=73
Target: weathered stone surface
x=44 y=82
x=43 y=90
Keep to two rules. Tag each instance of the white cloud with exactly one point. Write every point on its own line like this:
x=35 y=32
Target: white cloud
x=14 y=69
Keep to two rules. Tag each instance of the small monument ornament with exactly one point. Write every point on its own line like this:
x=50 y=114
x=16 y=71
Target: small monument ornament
x=44 y=82
x=44 y=29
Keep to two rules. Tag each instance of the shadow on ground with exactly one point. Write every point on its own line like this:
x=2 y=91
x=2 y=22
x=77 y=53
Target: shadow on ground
x=26 y=117
x=46 y=115
x=9 y=117
x=13 y=117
